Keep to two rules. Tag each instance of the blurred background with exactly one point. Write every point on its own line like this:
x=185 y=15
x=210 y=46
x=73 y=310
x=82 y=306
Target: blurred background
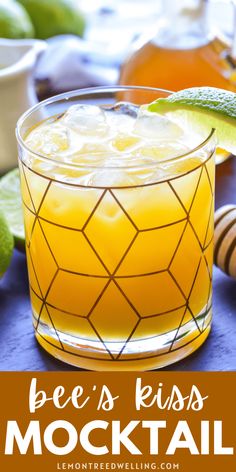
x=53 y=46
x=164 y=43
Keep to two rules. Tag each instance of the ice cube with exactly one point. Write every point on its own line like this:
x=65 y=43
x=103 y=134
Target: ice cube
x=108 y=178
x=120 y=117
x=155 y=126
x=86 y=119
x=49 y=139
x=161 y=151
x=95 y=148
x=124 y=108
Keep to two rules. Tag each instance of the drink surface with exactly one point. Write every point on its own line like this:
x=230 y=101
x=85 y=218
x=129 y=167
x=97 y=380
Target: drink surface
x=120 y=136
x=119 y=237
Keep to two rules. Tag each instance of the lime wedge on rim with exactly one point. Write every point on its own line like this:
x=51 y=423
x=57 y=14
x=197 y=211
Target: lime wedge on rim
x=11 y=206
x=6 y=245
x=200 y=109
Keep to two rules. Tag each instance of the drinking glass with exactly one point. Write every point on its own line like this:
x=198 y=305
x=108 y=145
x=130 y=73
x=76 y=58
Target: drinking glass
x=119 y=256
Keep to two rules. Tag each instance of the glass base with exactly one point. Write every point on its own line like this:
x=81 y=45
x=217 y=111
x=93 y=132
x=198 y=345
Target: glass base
x=138 y=355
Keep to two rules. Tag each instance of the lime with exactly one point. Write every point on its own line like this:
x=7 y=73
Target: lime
x=6 y=245
x=53 y=17
x=201 y=109
x=11 y=206
x=15 y=22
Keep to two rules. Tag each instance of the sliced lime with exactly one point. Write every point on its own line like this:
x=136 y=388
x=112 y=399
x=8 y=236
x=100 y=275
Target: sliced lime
x=6 y=245
x=11 y=206
x=200 y=109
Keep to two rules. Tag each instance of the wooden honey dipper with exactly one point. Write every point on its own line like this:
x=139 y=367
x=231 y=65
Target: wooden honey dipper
x=225 y=239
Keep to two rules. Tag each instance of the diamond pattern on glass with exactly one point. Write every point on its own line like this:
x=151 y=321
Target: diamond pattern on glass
x=46 y=325
x=188 y=254
x=200 y=291
x=59 y=206
x=109 y=223
x=30 y=220
x=186 y=193
x=70 y=290
x=200 y=220
x=160 y=324
x=168 y=295
x=146 y=217
x=37 y=188
x=77 y=324
x=155 y=257
x=113 y=323
x=110 y=230
x=27 y=200
x=181 y=333
x=42 y=257
x=83 y=260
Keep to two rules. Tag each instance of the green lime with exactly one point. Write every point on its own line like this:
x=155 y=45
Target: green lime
x=15 y=22
x=53 y=17
x=201 y=109
x=11 y=206
x=6 y=245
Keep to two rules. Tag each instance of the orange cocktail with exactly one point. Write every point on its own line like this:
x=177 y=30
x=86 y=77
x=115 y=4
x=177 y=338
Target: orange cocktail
x=119 y=224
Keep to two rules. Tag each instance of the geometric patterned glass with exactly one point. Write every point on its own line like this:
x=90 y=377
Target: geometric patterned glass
x=120 y=275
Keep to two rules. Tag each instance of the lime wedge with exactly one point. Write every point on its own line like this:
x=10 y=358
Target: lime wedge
x=11 y=206
x=200 y=109
x=6 y=245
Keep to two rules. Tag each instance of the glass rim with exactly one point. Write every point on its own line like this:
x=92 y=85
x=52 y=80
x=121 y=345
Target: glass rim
x=89 y=90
